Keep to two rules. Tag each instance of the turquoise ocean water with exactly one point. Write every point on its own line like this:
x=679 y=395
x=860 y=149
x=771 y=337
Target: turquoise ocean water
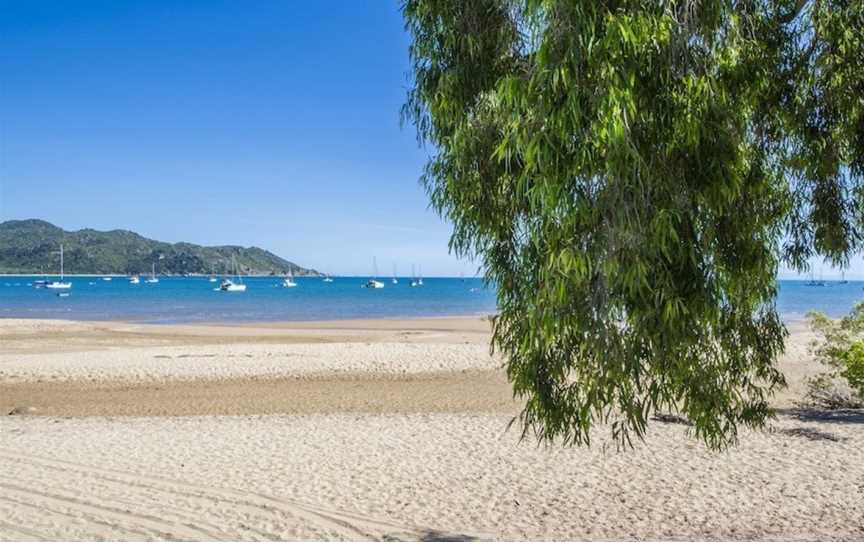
x=192 y=299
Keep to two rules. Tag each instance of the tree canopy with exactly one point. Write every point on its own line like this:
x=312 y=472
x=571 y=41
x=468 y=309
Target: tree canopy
x=630 y=174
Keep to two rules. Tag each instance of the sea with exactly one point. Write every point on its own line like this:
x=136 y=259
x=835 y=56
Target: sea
x=194 y=299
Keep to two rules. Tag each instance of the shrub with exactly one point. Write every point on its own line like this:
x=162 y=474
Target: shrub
x=840 y=347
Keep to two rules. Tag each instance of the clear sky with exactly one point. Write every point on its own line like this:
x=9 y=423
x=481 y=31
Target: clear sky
x=255 y=123
x=272 y=123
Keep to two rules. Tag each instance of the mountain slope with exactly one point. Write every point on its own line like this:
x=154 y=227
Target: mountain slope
x=30 y=246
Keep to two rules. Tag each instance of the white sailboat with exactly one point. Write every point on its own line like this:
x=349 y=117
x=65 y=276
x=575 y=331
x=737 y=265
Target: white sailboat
x=59 y=285
x=106 y=279
x=413 y=277
x=229 y=286
x=420 y=275
x=289 y=281
x=134 y=279
x=328 y=278
x=395 y=280
x=373 y=283
x=152 y=279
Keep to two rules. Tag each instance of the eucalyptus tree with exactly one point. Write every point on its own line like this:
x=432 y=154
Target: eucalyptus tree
x=630 y=174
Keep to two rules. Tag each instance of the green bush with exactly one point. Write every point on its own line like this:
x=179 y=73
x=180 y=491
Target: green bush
x=840 y=347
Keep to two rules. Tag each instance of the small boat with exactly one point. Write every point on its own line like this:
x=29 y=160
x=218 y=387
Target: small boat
x=289 y=281
x=373 y=283
x=843 y=278
x=152 y=279
x=212 y=279
x=106 y=279
x=227 y=285
x=62 y=294
x=420 y=277
x=814 y=282
x=134 y=279
x=327 y=278
x=395 y=280
x=413 y=278
x=59 y=284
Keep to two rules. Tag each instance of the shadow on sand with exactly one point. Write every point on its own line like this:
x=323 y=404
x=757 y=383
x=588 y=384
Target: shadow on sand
x=810 y=434
x=436 y=536
x=824 y=416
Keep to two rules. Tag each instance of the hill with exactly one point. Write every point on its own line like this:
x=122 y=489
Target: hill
x=30 y=246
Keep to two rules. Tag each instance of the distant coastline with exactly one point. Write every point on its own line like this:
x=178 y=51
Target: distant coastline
x=31 y=247
x=175 y=275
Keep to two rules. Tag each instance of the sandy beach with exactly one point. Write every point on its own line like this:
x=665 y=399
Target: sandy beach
x=381 y=430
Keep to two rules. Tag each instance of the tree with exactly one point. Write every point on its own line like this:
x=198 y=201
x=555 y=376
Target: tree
x=631 y=174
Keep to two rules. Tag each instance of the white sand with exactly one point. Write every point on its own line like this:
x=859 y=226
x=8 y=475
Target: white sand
x=239 y=360
x=343 y=477
x=384 y=477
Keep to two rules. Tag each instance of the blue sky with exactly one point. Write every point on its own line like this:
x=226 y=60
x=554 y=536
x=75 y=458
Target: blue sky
x=266 y=123
x=255 y=123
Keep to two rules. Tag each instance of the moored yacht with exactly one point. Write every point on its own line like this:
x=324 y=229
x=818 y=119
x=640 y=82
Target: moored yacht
x=227 y=285
x=152 y=279
x=59 y=284
x=373 y=282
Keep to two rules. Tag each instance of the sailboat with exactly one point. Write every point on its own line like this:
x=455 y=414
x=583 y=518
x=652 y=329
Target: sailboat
x=327 y=278
x=152 y=279
x=843 y=278
x=420 y=277
x=395 y=280
x=814 y=282
x=289 y=281
x=134 y=279
x=373 y=283
x=212 y=276
x=229 y=286
x=413 y=277
x=59 y=285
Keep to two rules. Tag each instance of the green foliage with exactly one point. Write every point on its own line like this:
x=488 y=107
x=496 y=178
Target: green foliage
x=840 y=347
x=30 y=246
x=625 y=171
